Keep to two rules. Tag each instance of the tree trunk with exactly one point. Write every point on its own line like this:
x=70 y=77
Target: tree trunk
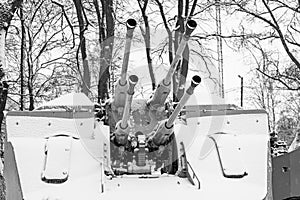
x=3 y=97
x=184 y=65
x=104 y=74
x=7 y=9
x=149 y=61
x=179 y=30
x=106 y=50
x=30 y=88
x=146 y=35
x=86 y=71
x=2 y=106
x=2 y=48
x=183 y=72
x=30 y=73
x=100 y=19
x=22 y=59
x=170 y=39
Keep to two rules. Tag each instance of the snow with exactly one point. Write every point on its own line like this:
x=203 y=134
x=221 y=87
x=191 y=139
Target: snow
x=229 y=151
x=85 y=170
x=71 y=99
x=57 y=158
x=27 y=126
x=202 y=155
x=30 y=135
x=83 y=181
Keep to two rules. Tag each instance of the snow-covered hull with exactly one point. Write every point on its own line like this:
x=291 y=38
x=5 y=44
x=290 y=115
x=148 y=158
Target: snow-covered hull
x=63 y=155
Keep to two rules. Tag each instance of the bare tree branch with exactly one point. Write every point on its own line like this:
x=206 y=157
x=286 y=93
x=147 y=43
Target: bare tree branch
x=68 y=21
x=279 y=80
x=161 y=10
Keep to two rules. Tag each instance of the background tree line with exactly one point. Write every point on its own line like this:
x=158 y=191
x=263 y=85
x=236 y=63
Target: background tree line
x=53 y=47
x=47 y=44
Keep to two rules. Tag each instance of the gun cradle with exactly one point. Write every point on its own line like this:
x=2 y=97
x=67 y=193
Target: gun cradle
x=147 y=143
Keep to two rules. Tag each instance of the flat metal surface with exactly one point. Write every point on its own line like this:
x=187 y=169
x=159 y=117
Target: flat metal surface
x=56 y=114
x=229 y=154
x=217 y=110
x=11 y=174
x=57 y=159
x=286 y=175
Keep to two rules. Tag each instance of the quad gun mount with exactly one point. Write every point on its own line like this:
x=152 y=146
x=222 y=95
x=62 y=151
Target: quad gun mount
x=142 y=130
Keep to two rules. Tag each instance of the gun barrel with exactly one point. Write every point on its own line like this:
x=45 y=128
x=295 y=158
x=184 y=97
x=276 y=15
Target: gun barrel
x=163 y=89
x=165 y=128
x=133 y=79
x=196 y=80
x=190 y=27
x=121 y=85
x=130 y=24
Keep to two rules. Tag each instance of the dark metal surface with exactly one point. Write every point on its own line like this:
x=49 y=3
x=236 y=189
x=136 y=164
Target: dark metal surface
x=286 y=176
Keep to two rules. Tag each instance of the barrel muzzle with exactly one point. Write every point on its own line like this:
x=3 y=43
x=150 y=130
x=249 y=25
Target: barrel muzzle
x=130 y=25
x=165 y=127
x=165 y=89
x=133 y=79
x=196 y=80
x=190 y=27
x=122 y=127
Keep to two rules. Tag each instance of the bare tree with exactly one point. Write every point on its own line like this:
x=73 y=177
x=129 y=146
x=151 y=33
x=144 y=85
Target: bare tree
x=83 y=24
x=22 y=58
x=146 y=35
x=263 y=88
x=47 y=53
x=7 y=9
x=168 y=29
x=184 y=65
x=183 y=14
x=106 y=23
x=179 y=30
x=280 y=19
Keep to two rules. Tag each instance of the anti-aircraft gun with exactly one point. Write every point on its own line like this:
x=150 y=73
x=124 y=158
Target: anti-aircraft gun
x=142 y=136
